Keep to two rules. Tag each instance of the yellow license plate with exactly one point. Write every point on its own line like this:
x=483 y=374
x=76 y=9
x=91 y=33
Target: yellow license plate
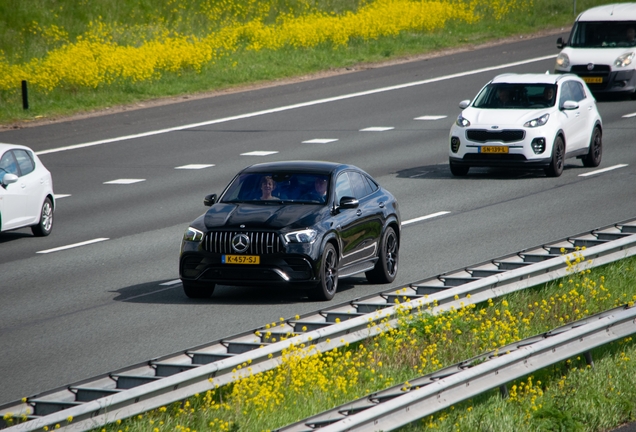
x=241 y=259
x=593 y=80
x=494 y=149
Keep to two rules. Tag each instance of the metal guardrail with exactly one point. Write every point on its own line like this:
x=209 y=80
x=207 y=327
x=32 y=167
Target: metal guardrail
x=149 y=385
x=402 y=404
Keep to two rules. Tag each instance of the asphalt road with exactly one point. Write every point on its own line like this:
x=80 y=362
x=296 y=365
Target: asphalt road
x=73 y=313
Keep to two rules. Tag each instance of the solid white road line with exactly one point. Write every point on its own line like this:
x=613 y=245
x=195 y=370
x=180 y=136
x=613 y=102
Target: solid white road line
x=296 y=106
x=603 y=170
x=97 y=240
x=410 y=221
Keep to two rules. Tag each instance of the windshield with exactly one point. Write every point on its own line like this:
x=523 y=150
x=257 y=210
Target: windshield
x=603 y=34
x=516 y=96
x=278 y=188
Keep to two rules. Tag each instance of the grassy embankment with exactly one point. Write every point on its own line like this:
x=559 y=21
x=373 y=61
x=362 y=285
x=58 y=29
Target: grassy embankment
x=79 y=56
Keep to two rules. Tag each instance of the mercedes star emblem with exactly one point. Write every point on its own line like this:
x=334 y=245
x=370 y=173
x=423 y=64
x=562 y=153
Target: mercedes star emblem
x=240 y=242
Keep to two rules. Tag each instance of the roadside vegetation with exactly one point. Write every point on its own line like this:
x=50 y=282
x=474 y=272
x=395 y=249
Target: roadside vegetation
x=569 y=395
x=78 y=56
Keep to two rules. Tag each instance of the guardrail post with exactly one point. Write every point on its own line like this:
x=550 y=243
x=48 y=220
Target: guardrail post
x=503 y=389
x=25 y=95
x=588 y=359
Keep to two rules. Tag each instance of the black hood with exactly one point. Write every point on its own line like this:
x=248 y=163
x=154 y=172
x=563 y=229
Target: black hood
x=268 y=216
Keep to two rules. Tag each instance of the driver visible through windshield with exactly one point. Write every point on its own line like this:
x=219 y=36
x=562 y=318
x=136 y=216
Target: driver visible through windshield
x=283 y=188
x=516 y=96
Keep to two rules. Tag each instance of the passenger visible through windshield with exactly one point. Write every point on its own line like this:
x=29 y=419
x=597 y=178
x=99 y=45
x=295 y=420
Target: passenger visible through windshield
x=302 y=188
x=516 y=96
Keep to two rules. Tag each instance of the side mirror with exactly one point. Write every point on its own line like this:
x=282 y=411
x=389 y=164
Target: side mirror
x=561 y=43
x=464 y=104
x=209 y=200
x=8 y=179
x=569 y=105
x=347 y=202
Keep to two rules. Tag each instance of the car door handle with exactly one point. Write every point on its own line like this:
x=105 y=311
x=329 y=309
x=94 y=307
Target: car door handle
x=381 y=204
x=23 y=185
x=359 y=212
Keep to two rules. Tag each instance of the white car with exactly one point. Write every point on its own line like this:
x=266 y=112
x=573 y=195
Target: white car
x=527 y=121
x=26 y=191
x=601 y=49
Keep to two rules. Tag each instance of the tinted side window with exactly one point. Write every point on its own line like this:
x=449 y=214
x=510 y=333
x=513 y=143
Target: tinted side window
x=359 y=184
x=8 y=164
x=343 y=186
x=372 y=184
x=566 y=94
x=577 y=91
x=25 y=161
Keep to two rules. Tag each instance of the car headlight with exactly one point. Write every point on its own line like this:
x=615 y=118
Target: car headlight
x=461 y=121
x=193 y=235
x=537 y=122
x=302 y=236
x=562 y=61
x=624 y=60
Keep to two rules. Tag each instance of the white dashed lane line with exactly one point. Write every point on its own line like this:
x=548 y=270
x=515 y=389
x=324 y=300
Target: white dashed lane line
x=421 y=218
x=194 y=166
x=58 y=196
x=124 y=181
x=320 y=141
x=629 y=115
x=259 y=153
x=71 y=246
x=431 y=117
x=377 y=129
x=603 y=170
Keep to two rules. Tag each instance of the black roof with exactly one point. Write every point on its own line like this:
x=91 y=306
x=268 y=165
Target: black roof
x=306 y=166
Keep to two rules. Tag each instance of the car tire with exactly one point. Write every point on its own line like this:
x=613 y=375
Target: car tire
x=328 y=285
x=45 y=225
x=594 y=155
x=458 y=170
x=197 y=290
x=555 y=169
x=386 y=268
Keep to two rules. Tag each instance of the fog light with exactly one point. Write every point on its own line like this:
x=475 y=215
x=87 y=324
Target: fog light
x=538 y=145
x=454 y=144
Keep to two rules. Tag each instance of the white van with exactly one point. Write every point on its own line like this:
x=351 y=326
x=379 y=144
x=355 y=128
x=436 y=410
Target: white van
x=601 y=49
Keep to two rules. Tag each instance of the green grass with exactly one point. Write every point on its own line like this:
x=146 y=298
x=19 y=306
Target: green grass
x=567 y=396
x=20 y=42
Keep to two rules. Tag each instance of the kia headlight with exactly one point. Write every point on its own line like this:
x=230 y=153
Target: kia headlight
x=562 y=61
x=540 y=121
x=193 y=235
x=302 y=236
x=462 y=121
x=624 y=60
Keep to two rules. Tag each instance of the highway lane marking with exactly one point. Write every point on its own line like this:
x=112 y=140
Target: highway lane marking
x=421 y=218
x=58 y=196
x=194 y=166
x=148 y=293
x=84 y=243
x=320 y=141
x=629 y=115
x=430 y=117
x=259 y=153
x=124 y=181
x=377 y=129
x=295 y=106
x=603 y=170
x=172 y=282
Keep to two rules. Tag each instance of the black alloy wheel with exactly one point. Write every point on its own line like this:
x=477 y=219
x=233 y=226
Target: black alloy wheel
x=386 y=268
x=44 y=227
x=458 y=170
x=555 y=169
x=196 y=290
x=328 y=285
x=593 y=157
